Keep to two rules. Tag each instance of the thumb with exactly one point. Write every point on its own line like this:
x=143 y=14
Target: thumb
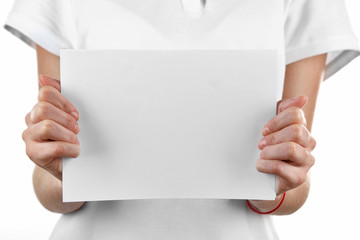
x=299 y=102
x=48 y=81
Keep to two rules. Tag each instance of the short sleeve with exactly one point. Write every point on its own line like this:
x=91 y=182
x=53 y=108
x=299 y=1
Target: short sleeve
x=314 y=27
x=47 y=23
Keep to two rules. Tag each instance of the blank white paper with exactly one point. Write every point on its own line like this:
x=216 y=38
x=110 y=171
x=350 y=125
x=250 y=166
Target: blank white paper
x=169 y=123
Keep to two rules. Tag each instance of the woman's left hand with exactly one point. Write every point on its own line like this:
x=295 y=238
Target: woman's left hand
x=287 y=146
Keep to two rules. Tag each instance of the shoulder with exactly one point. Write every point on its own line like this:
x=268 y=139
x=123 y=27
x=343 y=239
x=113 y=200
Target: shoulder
x=47 y=23
x=314 y=27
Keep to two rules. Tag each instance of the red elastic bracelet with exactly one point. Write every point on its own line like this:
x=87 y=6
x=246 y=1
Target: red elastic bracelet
x=253 y=209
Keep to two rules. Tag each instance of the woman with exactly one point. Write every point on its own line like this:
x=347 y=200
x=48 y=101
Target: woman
x=309 y=39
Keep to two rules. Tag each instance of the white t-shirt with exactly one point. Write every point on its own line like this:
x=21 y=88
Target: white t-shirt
x=297 y=28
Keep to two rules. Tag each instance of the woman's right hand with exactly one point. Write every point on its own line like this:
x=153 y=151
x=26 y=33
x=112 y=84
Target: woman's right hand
x=52 y=128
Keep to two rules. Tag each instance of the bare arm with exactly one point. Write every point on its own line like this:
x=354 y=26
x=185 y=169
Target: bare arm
x=48 y=190
x=302 y=78
x=47 y=183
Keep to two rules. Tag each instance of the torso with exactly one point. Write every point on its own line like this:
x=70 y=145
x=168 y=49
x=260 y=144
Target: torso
x=163 y=24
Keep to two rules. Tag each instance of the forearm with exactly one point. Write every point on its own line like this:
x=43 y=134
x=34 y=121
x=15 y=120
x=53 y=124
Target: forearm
x=293 y=200
x=302 y=78
x=48 y=190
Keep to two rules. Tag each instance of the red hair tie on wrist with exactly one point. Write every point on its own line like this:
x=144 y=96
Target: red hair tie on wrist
x=254 y=210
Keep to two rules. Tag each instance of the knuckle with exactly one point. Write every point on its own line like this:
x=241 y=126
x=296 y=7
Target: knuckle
x=270 y=139
x=59 y=149
x=25 y=135
x=27 y=118
x=70 y=122
x=313 y=143
x=46 y=128
x=296 y=114
x=292 y=150
x=73 y=138
x=297 y=132
x=277 y=168
x=40 y=110
x=43 y=108
x=66 y=105
x=311 y=160
x=44 y=93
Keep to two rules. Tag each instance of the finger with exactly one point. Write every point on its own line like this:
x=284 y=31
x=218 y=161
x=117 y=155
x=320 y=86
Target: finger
x=43 y=153
x=28 y=119
x=291 y=115
x=44 y=110
x=299 y=102
x=291 y=152
x=55 y=168
x=312 y=143
x=294 y=133
x=48 y=81
x=49 y=130
x=288 y=176
x=51 y=95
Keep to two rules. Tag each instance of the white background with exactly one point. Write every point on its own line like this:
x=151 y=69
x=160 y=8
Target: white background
x=332 y=208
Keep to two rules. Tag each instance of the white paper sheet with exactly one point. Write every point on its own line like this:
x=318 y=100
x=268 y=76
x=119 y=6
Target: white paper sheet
x=169 y=123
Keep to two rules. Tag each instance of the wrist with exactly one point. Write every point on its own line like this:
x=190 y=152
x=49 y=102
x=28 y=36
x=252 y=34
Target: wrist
x=266 y=206
x=48 y=190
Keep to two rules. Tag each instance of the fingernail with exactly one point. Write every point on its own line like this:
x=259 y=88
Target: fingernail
x=76 y=128
x=77 y=141
x=266 y=130
x=41 y=79
x=75 y=115
x=262 y=142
